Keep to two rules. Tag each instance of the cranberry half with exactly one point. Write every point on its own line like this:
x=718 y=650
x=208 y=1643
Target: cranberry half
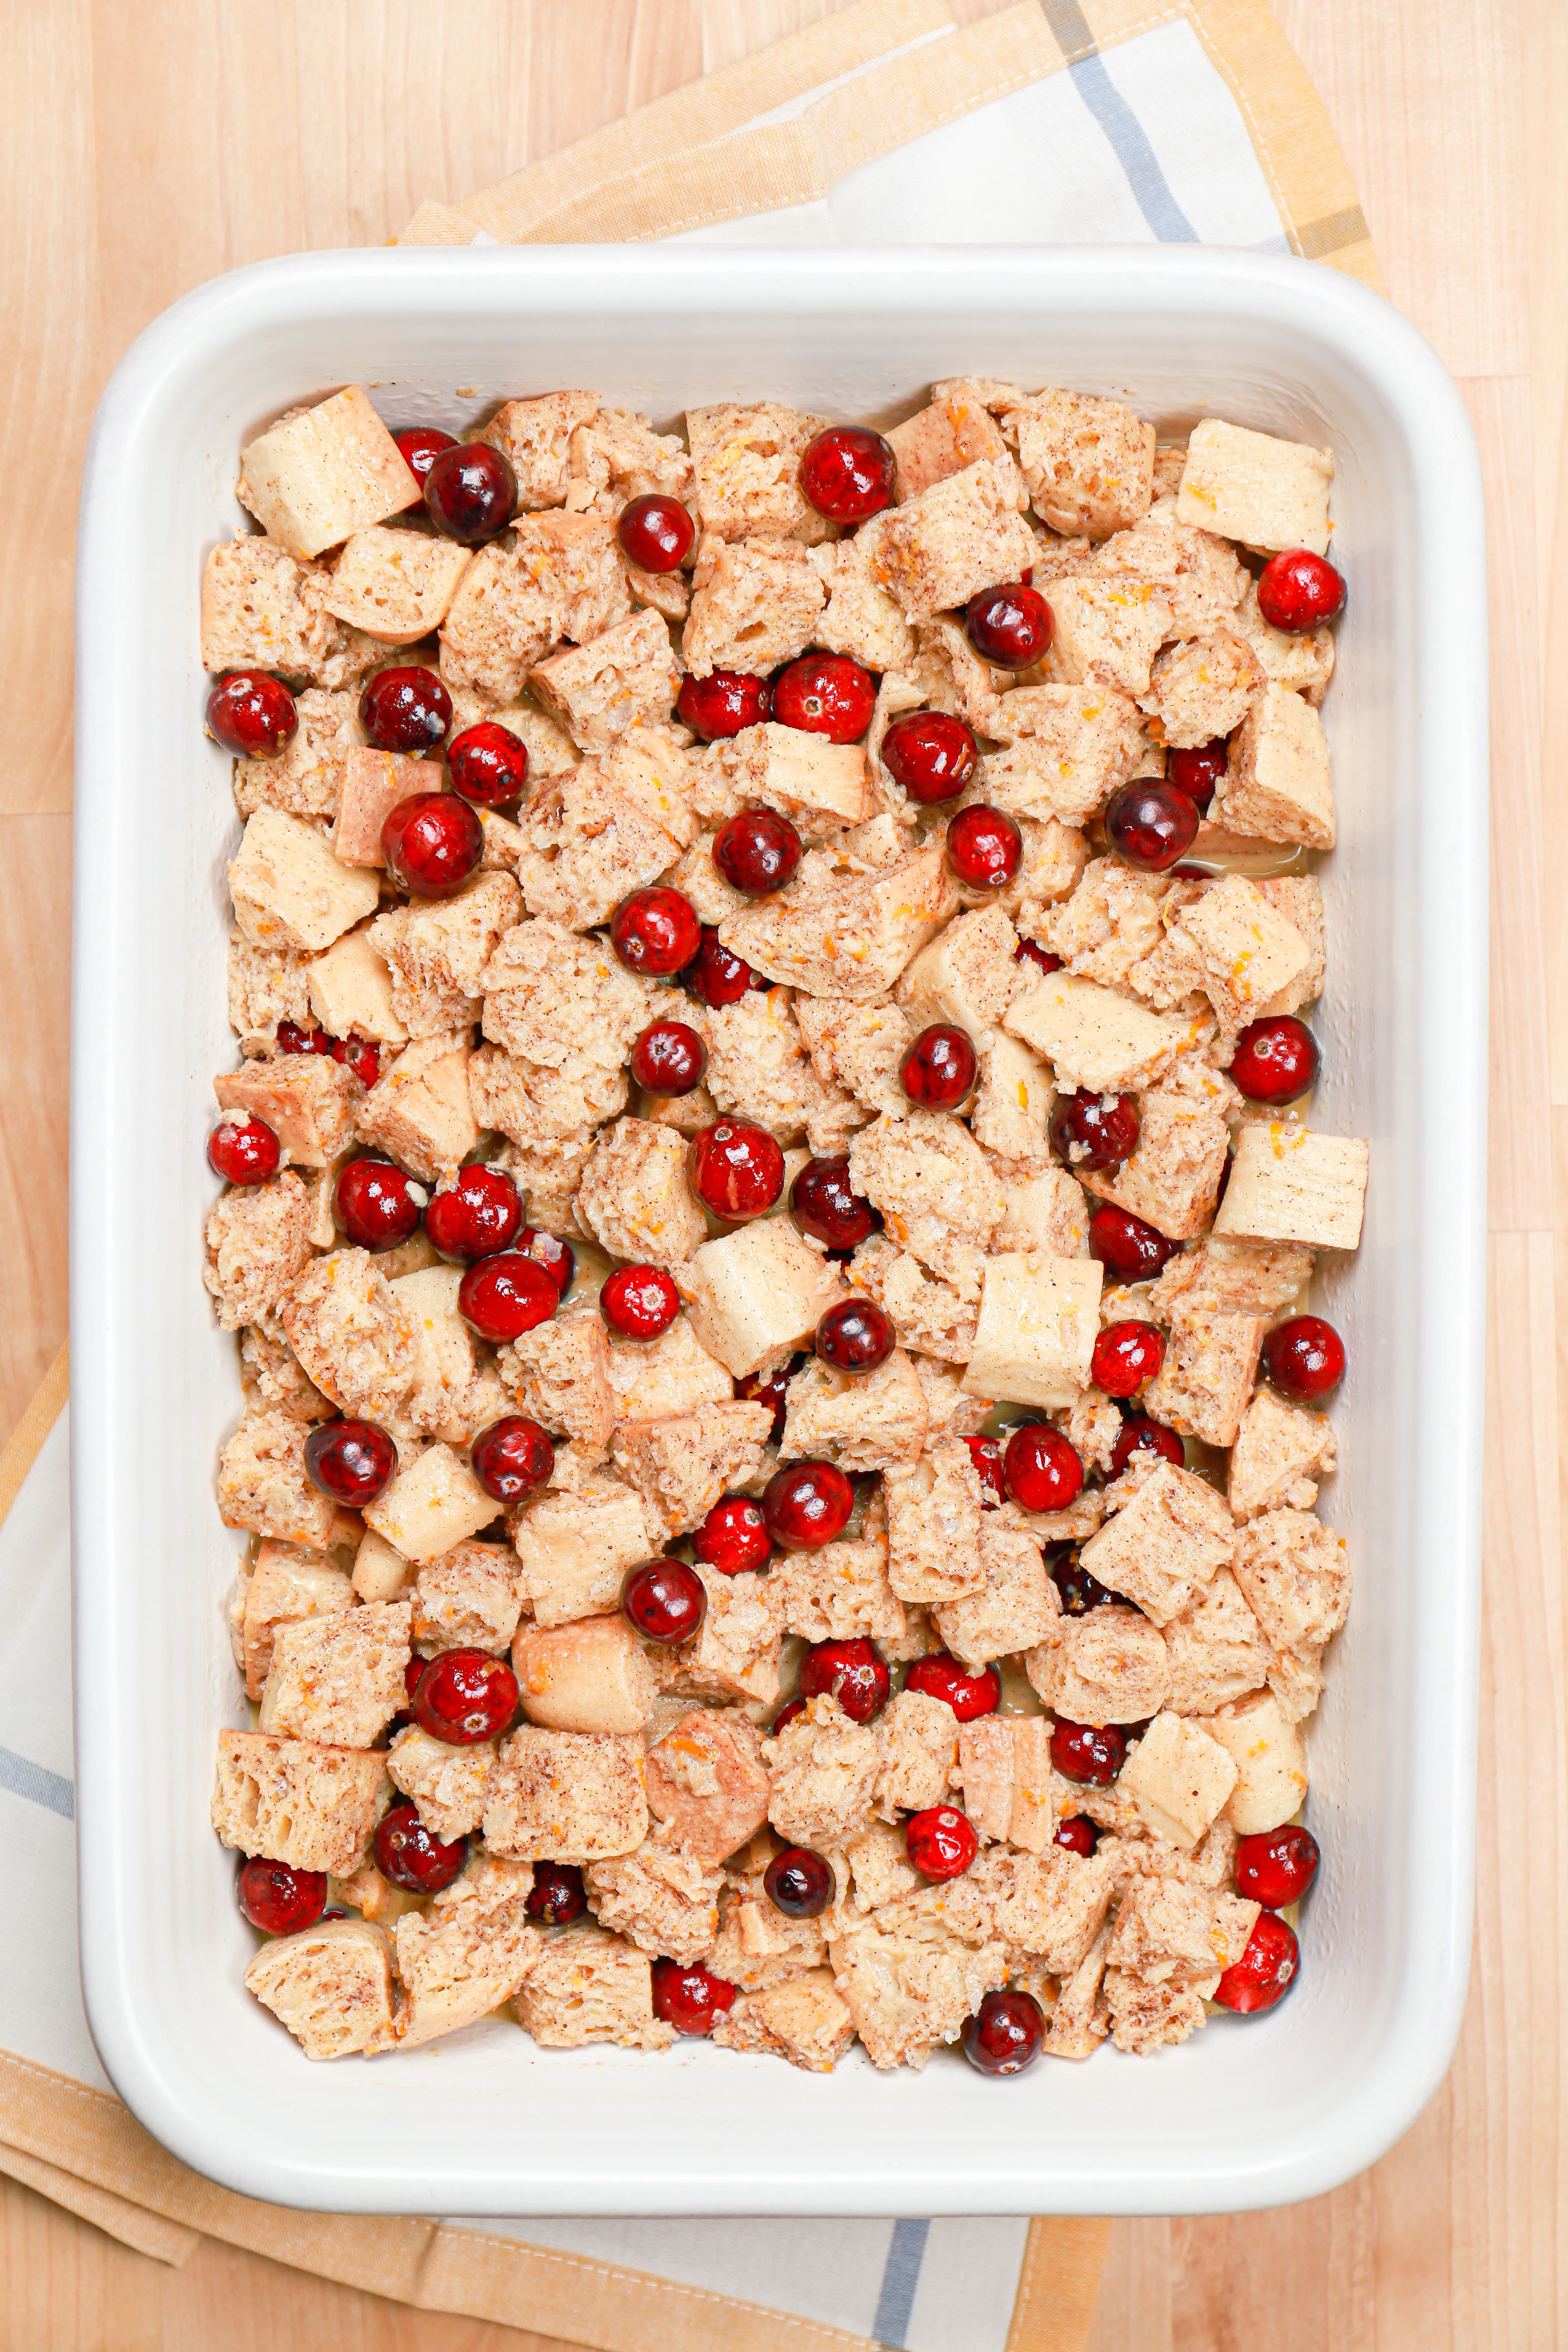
x=640 y=1302
x=377 y=1205
x=733 y=1537
x=1006 y=2033
x=465 y=1695
x=1151 y=826
x=412 y=1856
x=669 y=1058
x=847 y=473
x=1198 y=770
x=986 y=1456
x=1040 y=1469
x=855 y=1673
x=1079 y=1590
x=1126 y=1246
x=1276 y=1866
x=1139 y=1435
x=405 y=710
x=825 y=1204
x=279 y=1899
x=799 y=1883
x=723 y=703
x=941 y=1842
x=938 y=1069
x=505 y=1296
x=432 y=843
x=969 y=1695
x=691 y=1999
x=1297 y=591
x=1011 y=625
x=351 y=1461
x=855 y=1336
x=475 y=1217
x=757 y=852
x=664 y=1599
x=1304 y=1357
x=513 y=1459
x=1031 y=951
x=985 y=847
x=252 y=713
x=419 y=446
x=557 y=1896
x=244 y=1151
x=1276 y=1059
x=655 y=533
x=1078 y=1834
x=1265 y=1971
x=930 y=754
x=716 y=977
x=736 y=1170
x=1095 y=1131
x=1089 y=1753
x=557 y=1257
x=487 y=765
x=826 y=694
x=470 y=492
x=654 y=933
x=807 y=1504
x=770 y=1389
x=1125 y=1356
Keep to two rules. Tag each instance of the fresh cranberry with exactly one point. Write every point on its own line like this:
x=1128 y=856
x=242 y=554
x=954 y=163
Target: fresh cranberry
x=358 y=1054
x=941 y=1842
x=736 y=1170
x=855 y=1673
x=691 y=1999
x=1079 y=1591
x=1297 y=591
x=855 y=1336
x=986 y=1456
x=1151 y=826
x=733 y=1537
x=939 y=1068
x=1012 y=626
x=807 y=1504
x=931 y=754
x=252 y=713
x=1040 y=1469
x=1197 y=772
x=640 y=1302
x=1125 y=1356
x=513 y=1459
x=1276 y=1059
x=487 y=765
x=785 y=1715
x=377 y=1204
x=505 y=1296
x=847 y=473
x=292 y=1039
x=557 y=1896
x=1089 y=1753
x=405 y=710
x=825 y=1204
x=351 y=1461
x=470 y=492
x=557 y=1257
x=756 y=852
x=419 y=446
x=1304 y=1357
x=411 y=1673
x=1095 y=1131
x=1031 y=951
x=1126 y=1246
x=970 y=1696
x=654 y=933
x=432 y=843
x=244 y=1151
x=279 y=1899
x=770 y=1389
x=1265 y=1971
x=1276 y=1866
x=723 y=703
x=465 y=1695
x=476 y=1216
x=1006 y=2033
x=669 y=1058
x=414 y=1857
x=1139 y=1435
x=716 y=977
x=655 y=533
x=985 y=847
x=664 y=1599
x=826 y=694
x=799 y=1883
x=1078 y=1834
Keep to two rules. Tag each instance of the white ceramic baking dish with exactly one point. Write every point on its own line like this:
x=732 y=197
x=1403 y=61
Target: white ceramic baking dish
x=1248 y=2113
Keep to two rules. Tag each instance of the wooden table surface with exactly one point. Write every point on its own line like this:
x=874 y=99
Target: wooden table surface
x=148 y=149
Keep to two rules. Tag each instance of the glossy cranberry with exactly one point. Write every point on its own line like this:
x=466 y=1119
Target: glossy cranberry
x=986 y=1456
x=985 y=847
x=465 y=1695
x=470 y=492
x=487 y=765
x=807 y=1504
x=1126 y=1246
x=1006 y=2033
x=557 y=1257
x=1276 y=1866
x=1276 y=1059
x=377 y=1205
x=691 y=1999
x=655 y=533
x=279 y=1899
x=785 y=1715
x=716 y=977
x=930 y=754
x=1078 y=1834
x=252 y=713
x=358 y=1054
x=244 y=1151
x=855 y=1336
x=505 y=1296
x=1139 y=1435
x=799 y=1883
x=736 y=1170
x=941 y=1842
x=351 y=1461
x=1086 y=1752
x=1304 y=1359
x=419 y=446
x=847 y=473
x=723 y=703
x=432 y=843
x=825 y=1204
x=411 y=1673
x=826 y=694
x=513 y=1459
x=664 y=1599
x=1094 y=1131
x=1040 y=1469
x=855 y=1673
x=1151 y=826
x=640 y=1302
x=1297 y=591
x=1031 y=951
x=1012 y=626
x=405 y=710
x=414 y=1857
x=669 y=1058
x=1197 y=772
x=654 y=933
x=770 y=1389
x=292 y=1039
x=1079 y=1591
x=557 y=1896
x=757 y=851
x=1125 y=1356
x=969 y=1695
x=733 y=1537
x=477 y=1215
x=939 y=1068
x=1266 y=1970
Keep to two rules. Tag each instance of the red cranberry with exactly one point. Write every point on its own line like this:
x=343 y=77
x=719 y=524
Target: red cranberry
x=640 y=1302
x=733 y=1537
x=826 y=694
x=505 y=1296
x=411 y=1673
x=941 y=1842
x=939 y=1068
x=1125 y=1356
x=414 y=1857
x=465 y=1695
x=825 y=1204
x=931 y=754
x=799 y=1883
x=513 y=1459
x=855 y=1673
x=1095 y=1131
x=351 y=1461
x=1031 y=951
x=279 y=1899
x=1012 y=626
x=986 y=1456
x=807 y=1504
x=855 y=1336
x=377 y=1204
x=470 y=492
x=487 y=765
x=756 y=852
x=770 y=1389
x=985 y=847
x=1151 y=826
x=654 y=933
x=557 y=1257
x=1139 y=1435
x=405 y=710
x=1040 y=1469
x=1078 y=1834
x=785 y=1715
x=1304 y=1359
x=557 y=1896
x=292 y=1039
x=1265 y=1971
x=847 y=473
x=1006 y=2033
x=664 y=1599
x=252 y=713
x=244 y=1151
x=1276 y=1866
x=1197 y=772
x=1089 y=1753
x=655 y=533
x=419 y=446
x=1126 y=1246
x=669 y=1058
x=1079 y=1590
x=1297 y=591
x=723 y=703
x=969 y=1695
x=432 y=843
x=1276 y=1059
x=691 y=1999
x=359 y=1055
x=736 y=1170
x=716 y=977
x=476 y=1216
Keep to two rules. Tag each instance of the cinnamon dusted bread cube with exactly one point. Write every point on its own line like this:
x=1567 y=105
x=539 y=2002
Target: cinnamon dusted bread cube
x=289 y=891
x=1039 y=1318
x=396 y=584
x=822 y=1775
x=338 y=1678
x=1276 y=783
x=962 y=534
x=471 y=1949
x=434 y=1502
x=745 y=464
x=331 y=1985
x=1089 y=463
x=289 y=1582
x=449 y=1785
x=706 y=1784
x=1289 y=1184
x=629 y=675
x=955 y=431
x=1165 y=1544
x=1269 y=1757
x=574 y=1547
x=1093 y=1038
x=297 y=1801
x=1178 y=1779
x=317 y=476
x=754 y=603
x=262 y=1483
x=590 y=1986
x=805 y=2019
x=566 y=1796
x=754 y=1294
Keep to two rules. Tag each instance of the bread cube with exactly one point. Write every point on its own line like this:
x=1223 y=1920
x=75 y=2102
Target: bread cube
x=396 y=584
x=356 y=1338
x=706 y=1785
x=933 y=1526
x=806 y=2019
x=449 y=1397
x=817 y=784
x=745 y=464
x=1089 y=463
x=822 y=1776
x=257 y=1240
x=558 y=1374
x=307 y=1101
x=1108 y=633
x=449 y=1785
x=848 y=938
x=290 y=1582
x=350 y=991
x=1109 y=924
x=857 y=1048
x=433 y=1503
x=419 y=1110
x=438 y=952
x=934 y=1185
x=658 y=1379
x=753 y=605
x=1295 y=1679
x=262 y=1483
x=535 y=436
x=1016 y=1607
x=466 y=1599
x=1288 y=1184
x=337 y=1679
x=261 y=610
x=1201 y=688
x=1171 y=1177
x=563 y=578
x=552 y=994
x=1093 y=1038
x=917 y=1737
x=1216 y=1650
x=588 y=1986
x=266 y=985
x=1259 y=1276
x=1302 y=663
x=955 y=431
x=1278 y=784
x=1170 y=1931
x=1040 y=1319
x=754 y=1294
x=939 y=1319
x=292 y=1800
x=1178 y=1778
x=574 y=1549
x=734 y=1654
x=1050 y=1905
x=965 y=975
x=663 y=1900
x=759 y=1069
x=1211 y=1361
x=860 y=618
x=616 y=456
x=1266 y=491
x=381 y=1572
x=547 y=1175
x=289 y=891
x=331 y=1985
x=905 y=1997
x=468 y=1952
x=1046 y=1213
x=1107 y=1667
x=1064 y=750
x=682 y=1466
x=1269 y=1759
x=548 y=1115
x=588 y=846
x=373 y=783
x=1165 y=1545
x=1010 y=1791
x=839 y=1591
x=324 y=473
x=1300 y=898
x=1280 y=1454
x=962 y=534
x=566 y=1796
x=306 y=777
x=1247 y=951
x=629 y=675
x=862 y=1421
x=591 y=1675
x=1296 y=1578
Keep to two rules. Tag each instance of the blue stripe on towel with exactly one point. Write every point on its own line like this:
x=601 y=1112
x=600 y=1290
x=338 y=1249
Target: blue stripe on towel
x=1127 y=139
x=901 y=2277
x=24 y=1779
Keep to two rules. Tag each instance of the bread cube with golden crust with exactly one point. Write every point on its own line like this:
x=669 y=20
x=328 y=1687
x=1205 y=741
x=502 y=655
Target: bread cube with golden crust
x=1093 y=1038
x=734 y=1654
x=860 y=618
x=1165 y=1544
x=471 y=1949
x=593 y=1674
x=955 y=430
x=1010 y=1792
x=289 y=891
x=1210 y=1363
x=1039 y=1318
x=307 y=1101
x=590 y=1986
x=745 y=464
x=331 y=1985
x=262 y=609
x=1278 y=785
x=306 y=778
x=1269 y=1757
x=706 y=1785
x=396 y=584
x=257 y=1240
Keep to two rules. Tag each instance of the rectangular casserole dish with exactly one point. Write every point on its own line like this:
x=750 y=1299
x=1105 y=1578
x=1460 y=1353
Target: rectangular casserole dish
x=1248 y=2114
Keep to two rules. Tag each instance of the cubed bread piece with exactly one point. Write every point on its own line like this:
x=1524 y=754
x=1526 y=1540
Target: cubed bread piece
x=616 y=456
x=662 y=1900
x=905 y=1997
x=658 y=1379
x=754 y=1294
x=1108 y=633
x=293 y=1800
x=1065 y=749
x=309 y=1101
x=1276 y=785
x=1046 y=1213
x=381 y=1572
x=1109 y=924
x=745 y=465
x=1010 y=1791
x=337 y=1679
x=880 y=1865
x=755 y=605
x=535 y=436
x=759 y=1069
x=257 y=1240
x=1040 y=1319
x=706 y=1784
x=289 y=1582
x=1280 y=1454
x=419 y=1111
x=598 y=689
x=1094 y=1038
x=329 y=1985
x=1216 y=1650
x=962 y=534
x=849 y=936
x=553 y=996
x=1261 y=1277
x=547 y=1115
x=1089 y=464
x=323 y=472
x=1255 y=487
x=589 y=846
x=822 y=1776
x=1081 y=2017
x=839 y=1591
x=576 y=1548
x=1017 y=1606
x=861 y=1421
x=356 y=1338
x=1109 y=1666
x=933 y=1186
x=933 y=1526
x=861 y=619
x=262 y=1482
x=438 y=952
x=1300 y=898
x=1163 y=1546
x=450 y=1397
x=288 y=890
x=1247 y=951
x=263 y=610
x=449 y=1785
x=1171 y=1177
x=1288 y=1184
x=1210 y=1363
x=558 y=1374
x=466 y=1599
x=806 y=2019
x=682 y=1466
x=735 y=1651
x=563 y=578
x=396 y=584
x=817 y=784
x=591 y=1675
x=938 y=1318
x=547 y=1173
x=856 y=1047
x=1178 y=1778
x=953 y=432
x=917 y=1739
x=468 y=1952
x=590 y=1986
x=1296 y=1576
x=306 y=777
x=965 y=975
x=1269 y=1759
x=1200 y=688
x=1012 y=1110
x=350 y=990
x=266 y=985
x=432 y=1504
x=566 y=1796
x=1170 y=1931
x=1304 y=663
x=1055 y=855
x=1050 y=1905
